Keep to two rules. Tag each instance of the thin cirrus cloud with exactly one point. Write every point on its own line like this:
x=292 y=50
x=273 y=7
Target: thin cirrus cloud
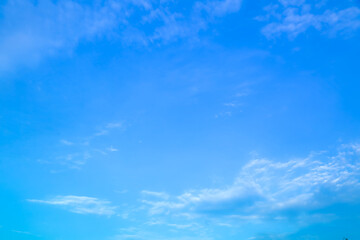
x=66 y=142
x=47 y=28
x=80 y=204
x=155 y=194
x=293 y=17
x=266 y=188
x=219 y=8
x=75 y=154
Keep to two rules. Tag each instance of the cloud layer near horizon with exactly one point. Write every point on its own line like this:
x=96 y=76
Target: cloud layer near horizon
x=266 y=188
x=264 y=192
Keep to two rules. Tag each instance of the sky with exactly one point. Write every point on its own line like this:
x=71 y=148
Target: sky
x=179 y=120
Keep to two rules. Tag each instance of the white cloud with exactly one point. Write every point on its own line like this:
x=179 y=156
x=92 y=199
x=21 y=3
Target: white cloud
x=293 y=17
x=232 y=104
x=32 y=31
x=105 y=130
x=264 y=187
x=174 y=225
x=112 y=149
x=74 y=160
x=292 y=2
x=114 y=125
x=158 y=207
x=101 y=133
x=46 y=28
x=146 y=4
x=84 y=148
x=81 y=204
x=70 y=160
x=220 y=8
x=155 y=194
x=66 y=142
x=23 y=232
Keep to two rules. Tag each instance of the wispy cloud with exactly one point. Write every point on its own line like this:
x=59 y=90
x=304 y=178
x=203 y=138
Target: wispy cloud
x=24 y=233
x=104 y=130
x=47 y=28
x=266 y=188
x=80 y=204
x=115 y=125
x=176 y=232
x=293 y=17
x=73 y=160
x=112 y=149
x=69 y=160
x=66 y=142
x=220 y=8
x=155 y=194
x=75 y=154
x=235 y=102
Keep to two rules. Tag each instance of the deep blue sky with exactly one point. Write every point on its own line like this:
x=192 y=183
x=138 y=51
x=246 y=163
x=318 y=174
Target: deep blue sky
x=179 y=120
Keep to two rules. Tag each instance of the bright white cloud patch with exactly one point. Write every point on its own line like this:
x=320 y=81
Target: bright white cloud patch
x=81 y=204
x=268 y=188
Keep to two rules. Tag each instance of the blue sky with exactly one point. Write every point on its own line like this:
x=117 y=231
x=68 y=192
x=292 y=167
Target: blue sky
x=179 y=120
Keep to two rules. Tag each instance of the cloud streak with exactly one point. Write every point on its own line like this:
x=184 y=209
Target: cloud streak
x=80 y=204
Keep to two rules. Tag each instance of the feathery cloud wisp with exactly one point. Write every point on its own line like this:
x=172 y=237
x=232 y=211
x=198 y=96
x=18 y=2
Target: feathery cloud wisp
x=80 y=204
x=295 y=17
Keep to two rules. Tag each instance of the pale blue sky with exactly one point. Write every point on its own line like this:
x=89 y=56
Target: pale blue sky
x=179 y=120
